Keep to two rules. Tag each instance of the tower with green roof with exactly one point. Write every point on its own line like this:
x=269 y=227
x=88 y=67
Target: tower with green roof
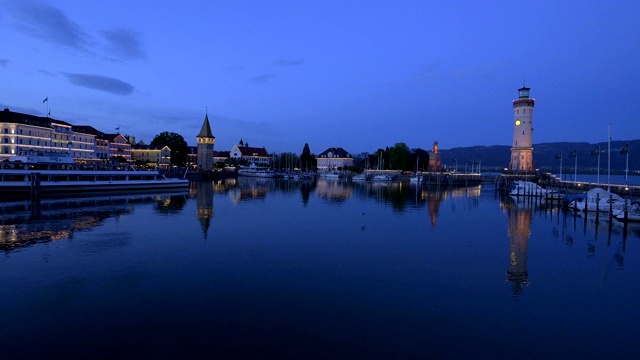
x=205 y=140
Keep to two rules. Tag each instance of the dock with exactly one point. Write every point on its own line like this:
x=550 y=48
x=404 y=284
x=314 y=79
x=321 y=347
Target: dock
x=550 y=181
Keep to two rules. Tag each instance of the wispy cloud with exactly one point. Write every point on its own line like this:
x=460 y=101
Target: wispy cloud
x=427 y=70
x=263 y=79
x=4 y=62
x=47 y=72
x=48 y=23
x=101 y=83
x=235 y=68
x=124 y=43
x=285 y=62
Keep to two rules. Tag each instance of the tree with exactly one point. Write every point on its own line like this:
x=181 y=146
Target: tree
x=175 y=142
x=307 y=160
x=287 y=160
x=422 y=157
x=399 y=158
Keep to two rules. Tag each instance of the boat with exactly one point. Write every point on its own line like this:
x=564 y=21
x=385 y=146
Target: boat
x=255 y=171
x=359 y=177
x=528 y=188
x=633 y=215
x=417 y=178
x=46 y=172
x=381 y=177
x=333 y=175
x=599 y=199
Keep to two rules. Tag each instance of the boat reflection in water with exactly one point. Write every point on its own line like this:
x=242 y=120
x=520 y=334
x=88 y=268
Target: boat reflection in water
x=25 y=223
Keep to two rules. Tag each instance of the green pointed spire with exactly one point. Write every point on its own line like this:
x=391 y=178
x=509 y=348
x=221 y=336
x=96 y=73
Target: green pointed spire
x=206 y=128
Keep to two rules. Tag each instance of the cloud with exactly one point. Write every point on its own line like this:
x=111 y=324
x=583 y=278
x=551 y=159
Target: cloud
x=262 y=79
x=428 y=69
x=48 y=23
x=101 y=83
x=284 y=62
x=47 y=72
x=124 y=43
x=4 y=62
x=235 y=68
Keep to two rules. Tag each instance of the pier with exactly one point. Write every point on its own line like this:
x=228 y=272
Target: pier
x=550 y=181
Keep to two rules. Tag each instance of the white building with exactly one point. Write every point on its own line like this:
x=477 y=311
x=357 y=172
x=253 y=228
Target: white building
x=522 y=146
x=334 y=158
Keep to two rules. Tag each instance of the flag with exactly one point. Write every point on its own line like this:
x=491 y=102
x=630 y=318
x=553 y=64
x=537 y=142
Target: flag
x=118 y=128
x=45 y=100
x=573 y=154
x=559 y=156
x=625 y=149
x=596 y=151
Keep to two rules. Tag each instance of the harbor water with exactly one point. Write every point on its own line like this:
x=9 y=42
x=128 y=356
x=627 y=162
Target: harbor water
x=269 y=268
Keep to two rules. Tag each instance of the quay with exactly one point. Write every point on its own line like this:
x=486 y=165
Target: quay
x=211 y=175
x=547 y=180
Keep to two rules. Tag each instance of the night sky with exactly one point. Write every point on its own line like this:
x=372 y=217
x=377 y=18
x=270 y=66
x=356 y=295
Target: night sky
x=361 y=75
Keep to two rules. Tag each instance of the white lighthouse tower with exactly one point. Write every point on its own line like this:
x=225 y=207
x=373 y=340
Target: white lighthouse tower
x=522 y=146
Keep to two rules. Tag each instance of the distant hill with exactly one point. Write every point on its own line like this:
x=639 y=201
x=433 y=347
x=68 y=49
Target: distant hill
x=496 y=157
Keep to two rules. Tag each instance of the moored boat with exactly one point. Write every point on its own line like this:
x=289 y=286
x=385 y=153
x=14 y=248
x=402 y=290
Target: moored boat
x=38 y=173
x=528 y=188
x=255 y=171
x=333 y=175
x=382 y=177
x=598 y=199
x=632 y=215
x=359 y=177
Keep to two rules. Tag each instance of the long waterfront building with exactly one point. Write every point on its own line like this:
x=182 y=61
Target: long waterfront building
x=24 y=133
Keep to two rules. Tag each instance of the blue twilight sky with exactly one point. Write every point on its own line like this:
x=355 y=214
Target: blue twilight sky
x=357 y=74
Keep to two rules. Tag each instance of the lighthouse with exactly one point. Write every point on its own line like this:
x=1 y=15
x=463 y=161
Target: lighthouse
x=522 y=146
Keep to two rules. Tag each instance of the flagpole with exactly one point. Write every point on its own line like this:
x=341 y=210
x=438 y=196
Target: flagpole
x=560 y=165
x=575 y=167
x=626 y=170
x=598 y=181
x=609 y=160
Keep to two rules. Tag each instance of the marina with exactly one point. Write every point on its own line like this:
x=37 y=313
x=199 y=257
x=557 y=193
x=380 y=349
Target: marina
x=345 y=269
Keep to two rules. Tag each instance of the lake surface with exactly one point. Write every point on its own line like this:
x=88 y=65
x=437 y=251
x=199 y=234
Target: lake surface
x=263 y=268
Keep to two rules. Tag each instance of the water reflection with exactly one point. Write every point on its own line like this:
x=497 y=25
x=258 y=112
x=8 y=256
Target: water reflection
x=25 y=223
x=204 y=205
x=333 y=190
x=247 y=189
x=570 y=228
x=519 y=231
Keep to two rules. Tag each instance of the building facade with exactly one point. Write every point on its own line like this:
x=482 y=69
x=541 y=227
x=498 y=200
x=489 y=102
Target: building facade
x=435 y=160
x=26 y=133
x=522 y=145
x=334 y=158
x=151 y=156
x=119 y=146
x=252 y=155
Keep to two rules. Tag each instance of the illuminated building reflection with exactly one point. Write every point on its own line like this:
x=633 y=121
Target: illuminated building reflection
x=24 y=224
x=519 y=231
x=204 y=207
x=333 y=190
x=250 y=189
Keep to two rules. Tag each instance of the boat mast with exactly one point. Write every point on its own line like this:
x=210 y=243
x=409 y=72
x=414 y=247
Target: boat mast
x=609 y=160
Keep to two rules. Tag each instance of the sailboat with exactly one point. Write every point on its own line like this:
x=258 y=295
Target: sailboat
x=417 y=178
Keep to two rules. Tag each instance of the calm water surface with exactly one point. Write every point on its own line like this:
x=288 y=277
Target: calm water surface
x=272 y=269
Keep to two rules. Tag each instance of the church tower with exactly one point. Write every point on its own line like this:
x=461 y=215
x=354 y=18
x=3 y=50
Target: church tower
x=522 y=146
x=205 y=140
